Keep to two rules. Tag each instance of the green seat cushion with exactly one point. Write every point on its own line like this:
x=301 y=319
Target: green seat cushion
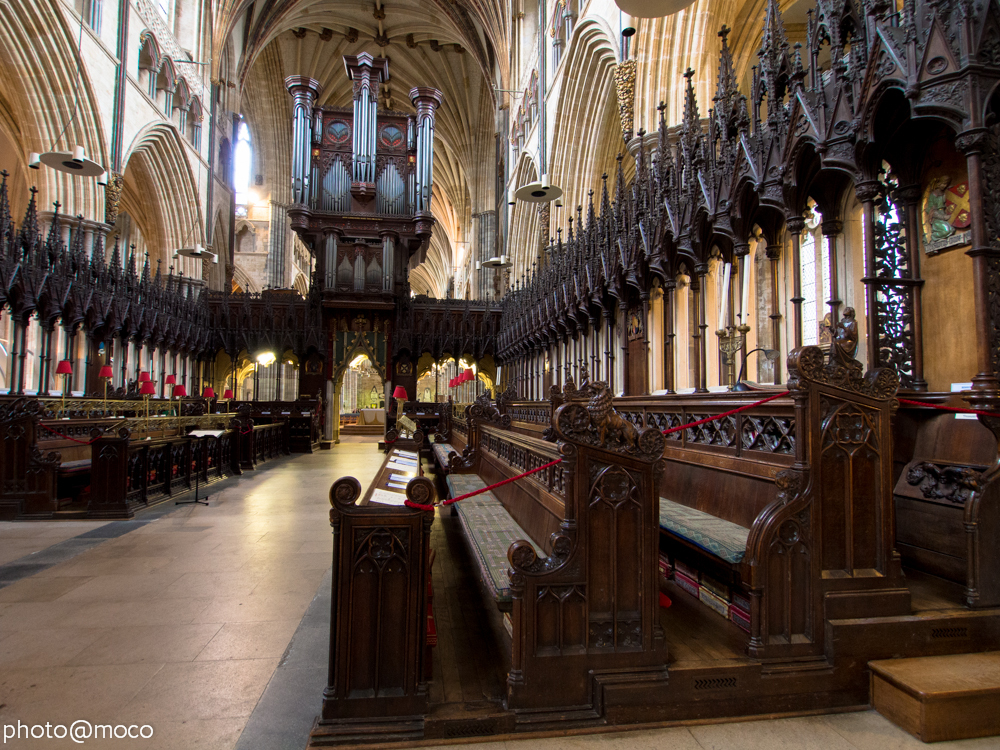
x=719 y=537
x=490 y=530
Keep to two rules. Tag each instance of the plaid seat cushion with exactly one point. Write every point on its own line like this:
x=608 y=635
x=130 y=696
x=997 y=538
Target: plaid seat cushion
x=490 y=531
x=441 y=451
x=721 y=538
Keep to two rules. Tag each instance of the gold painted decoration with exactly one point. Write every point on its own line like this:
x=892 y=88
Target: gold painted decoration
x=625 y=89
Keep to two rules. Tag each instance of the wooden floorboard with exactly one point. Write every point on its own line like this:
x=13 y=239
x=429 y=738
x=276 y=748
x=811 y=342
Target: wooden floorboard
x=932 y=594
x=468 y=661
x=696 y=634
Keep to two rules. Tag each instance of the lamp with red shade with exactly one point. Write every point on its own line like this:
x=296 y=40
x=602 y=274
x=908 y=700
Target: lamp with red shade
x=147 y=388
x=209 y=392
x=64 y=368
x=180 y=391
x=227 y=396
x=106 y=374
x=144 y=377
x=399 y=393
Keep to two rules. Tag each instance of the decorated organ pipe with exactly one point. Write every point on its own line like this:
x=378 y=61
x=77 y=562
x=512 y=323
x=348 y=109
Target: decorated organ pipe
x=304 y=92
x=426 y=100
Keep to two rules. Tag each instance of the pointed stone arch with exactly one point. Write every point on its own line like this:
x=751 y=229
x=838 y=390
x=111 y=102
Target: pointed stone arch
x=161 y=194
x=524 y=244
x=38 y=82
x=586 y=130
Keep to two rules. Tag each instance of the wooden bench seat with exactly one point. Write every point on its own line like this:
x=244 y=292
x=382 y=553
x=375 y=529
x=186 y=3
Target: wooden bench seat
x=71 y=468
x=716 y=536
x=947 y=499
x=490 y=531
x=441 y=452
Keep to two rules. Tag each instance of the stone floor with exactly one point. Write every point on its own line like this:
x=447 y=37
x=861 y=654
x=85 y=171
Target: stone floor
x=209 y=624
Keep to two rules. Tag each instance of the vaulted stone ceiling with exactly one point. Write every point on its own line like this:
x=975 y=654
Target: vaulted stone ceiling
x=441 y=43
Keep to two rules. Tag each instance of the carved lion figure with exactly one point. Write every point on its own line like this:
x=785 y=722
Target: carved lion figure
x=608 y=422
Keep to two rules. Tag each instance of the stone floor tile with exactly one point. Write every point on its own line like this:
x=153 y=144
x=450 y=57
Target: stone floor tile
x=805 y=733
x=155 y=643
x=65 y=694
x=254 y=608
x=38 y=589
x=45 y=647
x=202 y=690
x=195 y=734
x=869 y=730
x=138 y=613
x=126 y=587
x=249 y=640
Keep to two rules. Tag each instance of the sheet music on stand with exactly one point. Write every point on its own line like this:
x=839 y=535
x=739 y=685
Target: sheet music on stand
x=205 y=433
x=387 y=497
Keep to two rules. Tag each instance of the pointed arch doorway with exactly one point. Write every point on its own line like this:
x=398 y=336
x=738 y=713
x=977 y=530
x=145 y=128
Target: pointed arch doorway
x=361 y=350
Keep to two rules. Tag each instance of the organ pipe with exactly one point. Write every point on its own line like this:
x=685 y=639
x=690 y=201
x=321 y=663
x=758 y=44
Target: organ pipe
x=304 y=92
x=426 y=100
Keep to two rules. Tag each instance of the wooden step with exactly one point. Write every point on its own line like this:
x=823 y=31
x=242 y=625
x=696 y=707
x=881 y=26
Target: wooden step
x=939 y=698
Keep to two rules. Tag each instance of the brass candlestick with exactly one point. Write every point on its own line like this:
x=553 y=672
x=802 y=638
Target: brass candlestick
x=731 y=340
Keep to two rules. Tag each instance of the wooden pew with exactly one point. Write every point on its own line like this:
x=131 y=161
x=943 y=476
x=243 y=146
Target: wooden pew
x=451 y=440
x=27 y=477
x=304 y=417
x=570 y=554
x=377 y=684
x=788 y=505
x=129 y=474
x=808 y=479
x=947 y=498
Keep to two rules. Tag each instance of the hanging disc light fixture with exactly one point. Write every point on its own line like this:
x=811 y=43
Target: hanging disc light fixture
x=652 y=8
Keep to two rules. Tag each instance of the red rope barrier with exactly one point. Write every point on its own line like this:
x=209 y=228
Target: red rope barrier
x=67 y=437
x=941 y=407
x=725 y=414
x=418 y=506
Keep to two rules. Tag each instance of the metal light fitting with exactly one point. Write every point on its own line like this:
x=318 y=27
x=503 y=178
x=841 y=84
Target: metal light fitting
x=652 y=8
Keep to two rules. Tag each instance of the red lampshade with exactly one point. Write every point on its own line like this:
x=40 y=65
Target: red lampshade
x=148 y=388
x=64 y=368
x=208 y=393
x=180 y=391
x=144 y=377
x=451 y=383
x=171 y=380
x=469 y=376
x=106 y=372
x=399 y=393
x=228 y=394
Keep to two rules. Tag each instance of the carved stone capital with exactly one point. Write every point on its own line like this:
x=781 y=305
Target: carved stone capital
x=867 y=192
x=795 y=224
x=908 y=194
x=972 y=141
